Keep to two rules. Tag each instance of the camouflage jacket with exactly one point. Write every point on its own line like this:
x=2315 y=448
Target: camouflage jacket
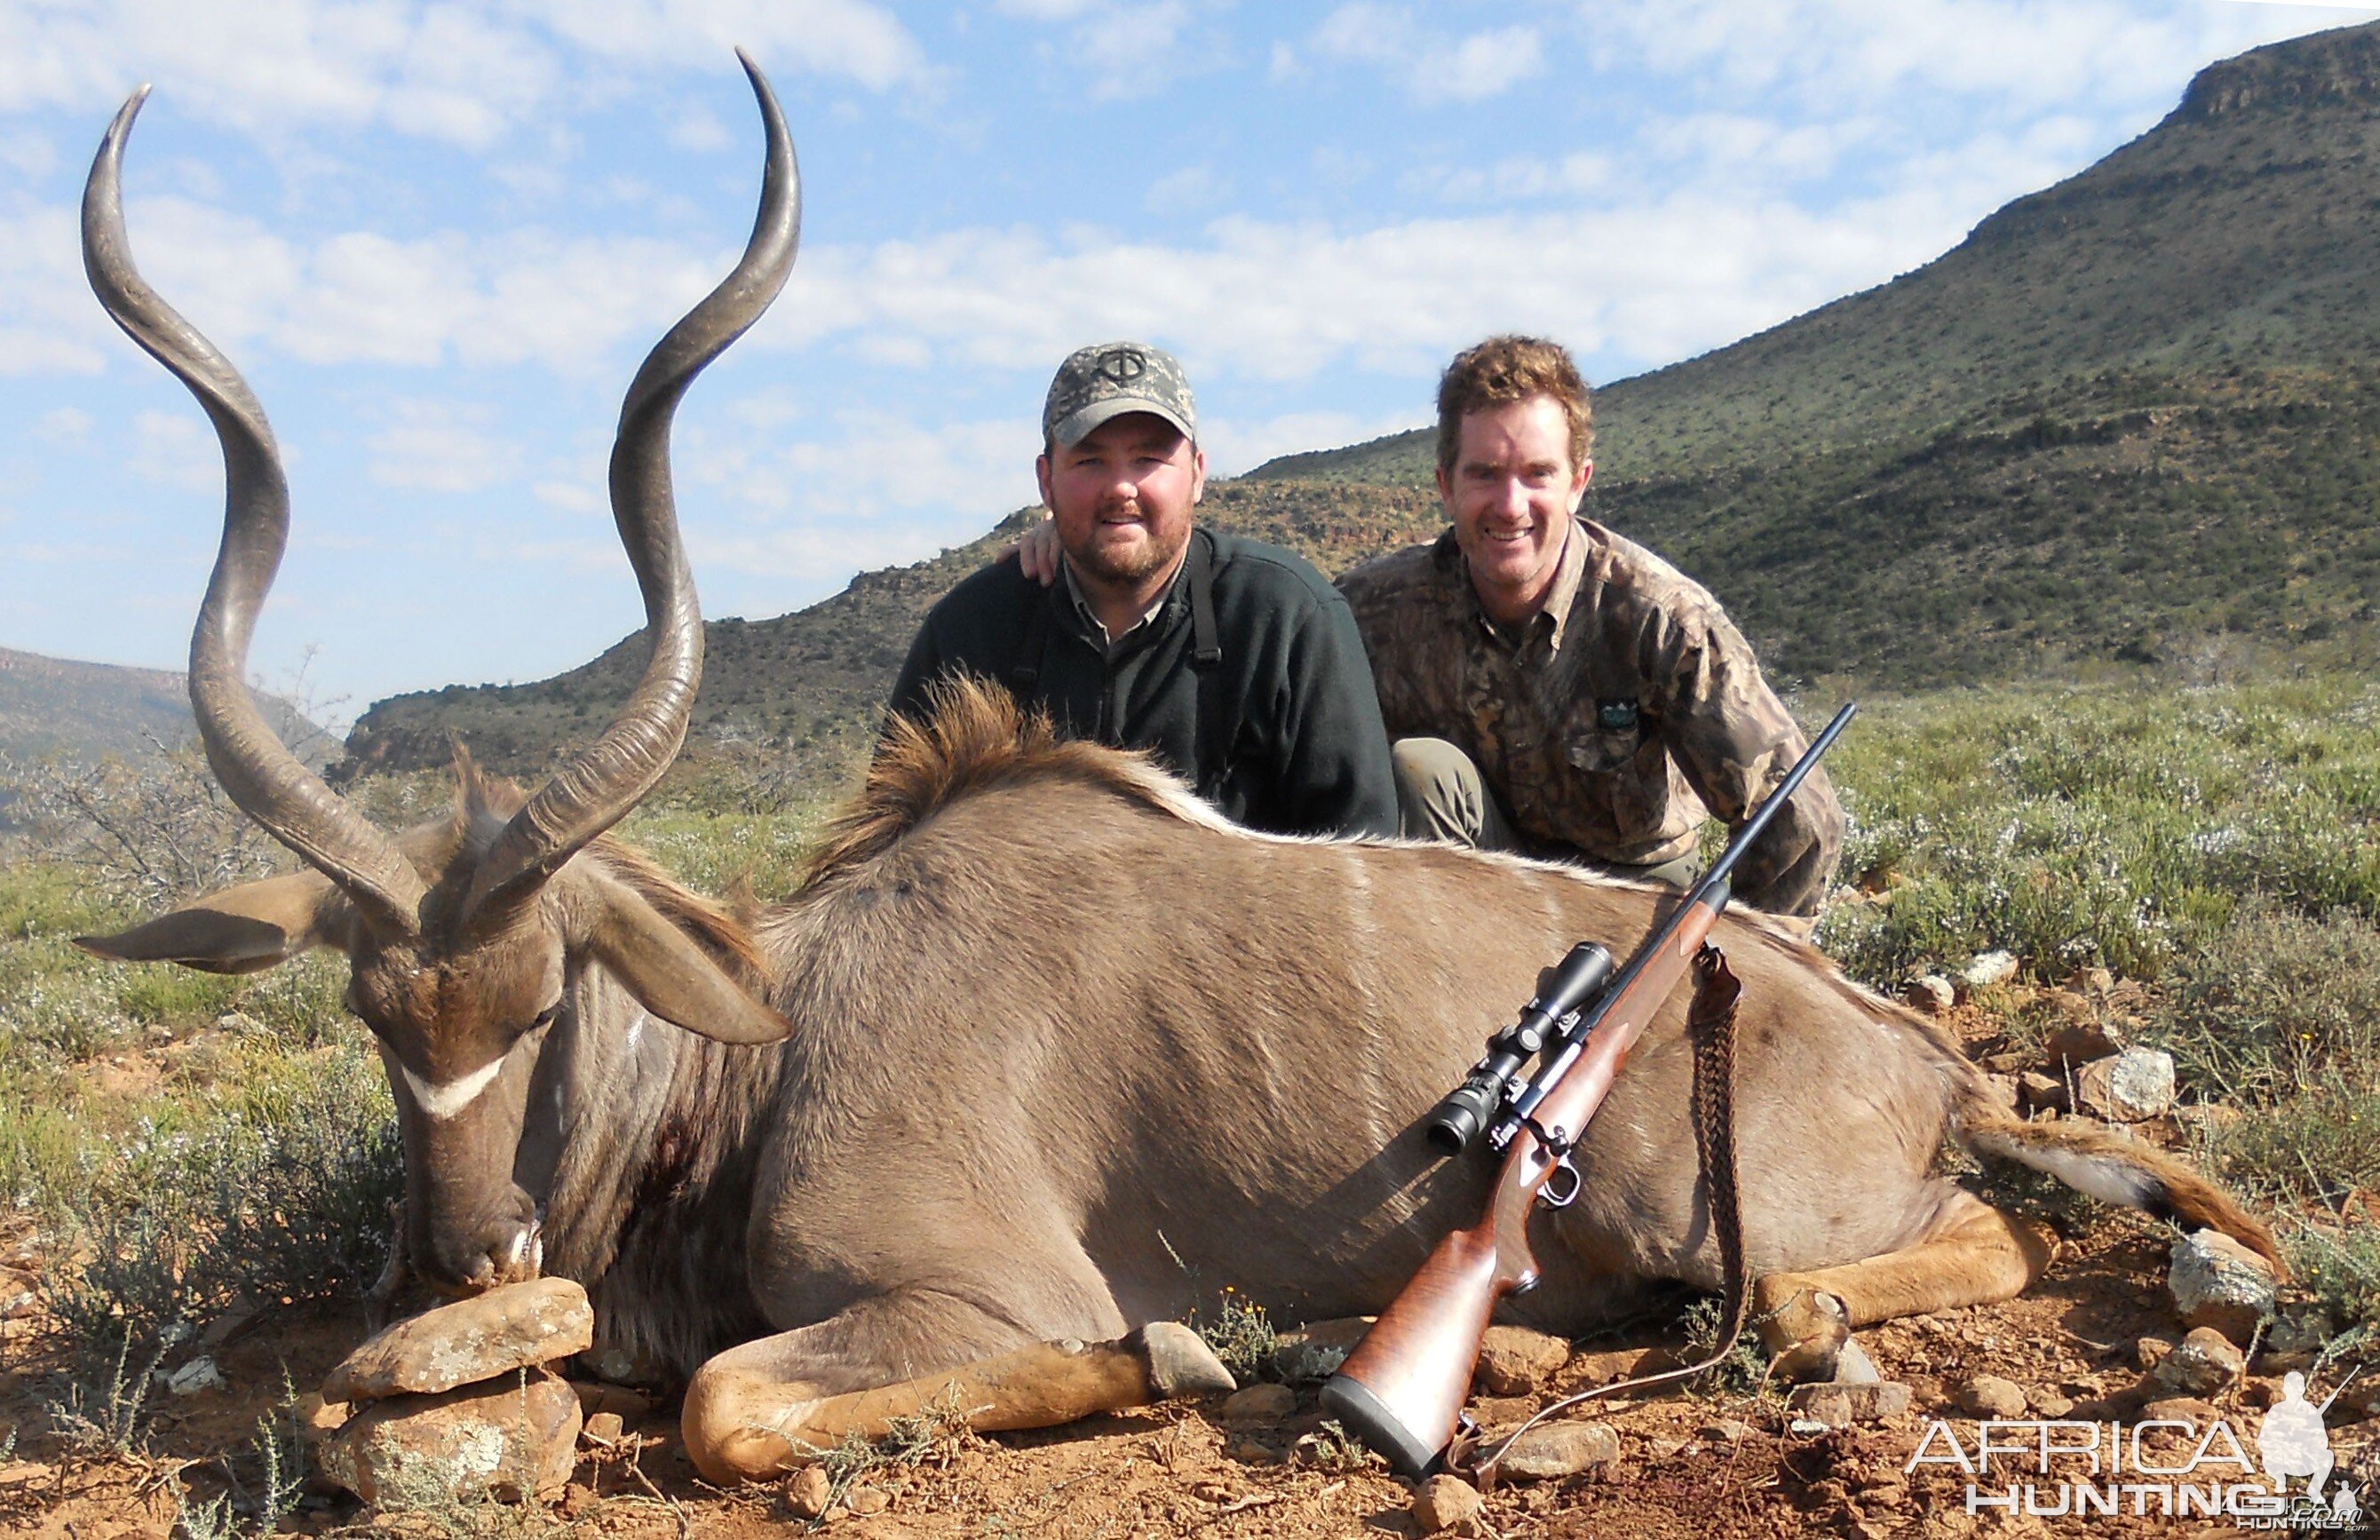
x=1613 y=723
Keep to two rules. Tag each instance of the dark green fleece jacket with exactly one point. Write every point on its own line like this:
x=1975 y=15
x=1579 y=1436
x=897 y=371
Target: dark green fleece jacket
x=1291 y=742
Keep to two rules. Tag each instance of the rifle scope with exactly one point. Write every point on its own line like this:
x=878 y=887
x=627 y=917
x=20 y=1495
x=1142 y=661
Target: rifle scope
x=1472 y=1104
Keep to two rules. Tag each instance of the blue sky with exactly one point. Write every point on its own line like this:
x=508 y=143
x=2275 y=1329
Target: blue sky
x=437 y=237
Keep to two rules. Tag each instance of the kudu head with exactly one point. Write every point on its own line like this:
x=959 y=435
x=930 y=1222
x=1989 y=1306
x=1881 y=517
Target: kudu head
x=460 y=935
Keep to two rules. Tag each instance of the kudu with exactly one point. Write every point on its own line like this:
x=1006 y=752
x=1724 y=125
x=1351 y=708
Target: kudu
x=1068 y=1053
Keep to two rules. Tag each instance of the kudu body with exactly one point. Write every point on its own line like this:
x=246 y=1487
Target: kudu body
x=1067 y=1053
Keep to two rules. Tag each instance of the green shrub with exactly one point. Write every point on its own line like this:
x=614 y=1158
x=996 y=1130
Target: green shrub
x=2273 y=1001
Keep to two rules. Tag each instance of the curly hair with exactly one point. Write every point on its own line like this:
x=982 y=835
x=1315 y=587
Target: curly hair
x=1512 y=369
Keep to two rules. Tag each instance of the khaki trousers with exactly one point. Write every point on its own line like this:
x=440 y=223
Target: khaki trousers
x=1441 y=796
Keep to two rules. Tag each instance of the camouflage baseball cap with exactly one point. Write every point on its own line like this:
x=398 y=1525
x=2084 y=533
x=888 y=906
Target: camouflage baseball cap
x=1110 y=379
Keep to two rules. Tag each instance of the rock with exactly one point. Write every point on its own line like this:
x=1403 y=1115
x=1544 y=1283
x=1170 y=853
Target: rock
x=1316 y=1350
x=603 y=1429
x=198 y=1375
x=626 y=1404
x=1444 y=1502
x=318 y=1419
x=2041 y=1093
x=516 y=1326
x=2050 y=1405
x=809 y=1492
x=1931 y=993
x=2207 y=1363
x=510 y=1439
x=2217 y=1282
x=1260 y=1404
x=1247 y=1451
x=2092 y=981
x=1834 y=1406
x=1514 y=1361
x=1989 y=969
x=2004 y=1091
x=2133 y=1086
x=2149 y=1351
x=1726 y=1430
x=1555 y=1449
x=2079 y=1043
x=865 y=1501
x=2178 y=1409
x=1990 y=1396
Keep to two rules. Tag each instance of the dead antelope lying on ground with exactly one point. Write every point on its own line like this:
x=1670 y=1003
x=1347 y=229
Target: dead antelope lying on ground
x=1042 y=1052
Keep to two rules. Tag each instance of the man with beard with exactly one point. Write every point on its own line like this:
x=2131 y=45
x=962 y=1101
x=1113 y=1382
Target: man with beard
x=1232 y=662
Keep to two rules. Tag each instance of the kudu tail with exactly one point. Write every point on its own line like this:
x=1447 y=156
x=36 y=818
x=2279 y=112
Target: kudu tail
x=2111 y=1167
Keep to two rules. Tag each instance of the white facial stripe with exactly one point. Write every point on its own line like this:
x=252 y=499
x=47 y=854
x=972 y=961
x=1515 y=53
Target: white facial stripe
x=444 y=1101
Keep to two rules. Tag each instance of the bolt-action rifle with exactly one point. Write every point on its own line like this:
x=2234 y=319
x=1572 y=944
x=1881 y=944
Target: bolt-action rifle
x=1402 y=1390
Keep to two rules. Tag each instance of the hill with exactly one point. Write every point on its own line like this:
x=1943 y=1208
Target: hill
x=2131 y=420
x=52 y=706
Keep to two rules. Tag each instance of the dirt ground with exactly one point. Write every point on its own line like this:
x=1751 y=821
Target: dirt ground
x=1691 y=1464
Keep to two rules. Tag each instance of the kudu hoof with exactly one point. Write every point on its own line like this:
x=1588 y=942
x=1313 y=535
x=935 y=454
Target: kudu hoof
x=1817 y=1330
x=1180 y=1363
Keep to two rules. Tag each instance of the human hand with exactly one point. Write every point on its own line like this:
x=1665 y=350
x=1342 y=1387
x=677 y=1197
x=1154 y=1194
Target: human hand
x=1037 y=551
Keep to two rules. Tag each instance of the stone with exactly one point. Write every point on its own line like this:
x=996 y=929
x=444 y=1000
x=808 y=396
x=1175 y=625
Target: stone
x=2079 y=1043
x=318 y=1419
x=1514 y=1360
x=2133 y=1086
x=2205 y=1363
x=1260 y=1404
x=865 y=1501
x=1444 y=1502
x=809 y=1492
x=198 y=1376
x=1726 y=1430
x=1834 y=1406
x=595 y=1396
x=603 y=1429
x=1989 y=969
x=2050 y=1405
x=2178 y=1409
x=511 y=1438
x=1315 y=1352
x=2004 y=1092
x=2149 y=1351
x=2217 y=1282
x=1989 y=1396
x=2037 y=1092
x=1931 y=993
x=1551 y=1450
x=516 y=1326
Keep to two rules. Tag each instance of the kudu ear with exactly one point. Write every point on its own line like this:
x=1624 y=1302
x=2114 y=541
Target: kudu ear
x=244 y=930
x=672 y=976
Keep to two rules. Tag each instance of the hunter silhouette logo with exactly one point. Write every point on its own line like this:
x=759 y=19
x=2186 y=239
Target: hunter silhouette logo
x=2163 y=1467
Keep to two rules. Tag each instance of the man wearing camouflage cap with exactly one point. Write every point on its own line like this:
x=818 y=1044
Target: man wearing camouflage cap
x=1231 y=661
x=1556 y=689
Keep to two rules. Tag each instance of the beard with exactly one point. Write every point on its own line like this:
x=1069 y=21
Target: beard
x=1127 y=565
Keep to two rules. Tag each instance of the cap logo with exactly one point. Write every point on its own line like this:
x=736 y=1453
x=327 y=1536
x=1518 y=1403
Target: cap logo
x=1122 y=366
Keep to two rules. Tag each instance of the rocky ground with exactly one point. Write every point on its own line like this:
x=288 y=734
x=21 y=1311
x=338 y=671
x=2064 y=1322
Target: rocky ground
x=2100 y=1339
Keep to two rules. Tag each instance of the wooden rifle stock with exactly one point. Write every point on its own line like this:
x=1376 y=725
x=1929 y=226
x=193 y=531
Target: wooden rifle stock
x=1403 y=1388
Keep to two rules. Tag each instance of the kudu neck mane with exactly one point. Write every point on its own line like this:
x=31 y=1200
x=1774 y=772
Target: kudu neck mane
x=979 y=738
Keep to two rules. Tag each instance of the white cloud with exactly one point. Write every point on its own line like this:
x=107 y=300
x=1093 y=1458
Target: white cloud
x=1193 y=187
x=1432 y=66
x=698 y=129
x=1520 y=178
x=63 y=426
x=176 y=450
x=1235 y=447
x=441 y=446
x=444 y=71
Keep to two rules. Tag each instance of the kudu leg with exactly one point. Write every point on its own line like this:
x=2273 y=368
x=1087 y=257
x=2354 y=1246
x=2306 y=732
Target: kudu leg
x=1974 y=1254
x=759 y=1410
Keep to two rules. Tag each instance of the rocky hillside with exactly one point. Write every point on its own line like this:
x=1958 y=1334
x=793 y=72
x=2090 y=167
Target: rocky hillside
x=2132 y=419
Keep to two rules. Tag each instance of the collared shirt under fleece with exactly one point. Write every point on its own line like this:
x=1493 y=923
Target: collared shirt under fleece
x=1301 y=749
x=1614 y=721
